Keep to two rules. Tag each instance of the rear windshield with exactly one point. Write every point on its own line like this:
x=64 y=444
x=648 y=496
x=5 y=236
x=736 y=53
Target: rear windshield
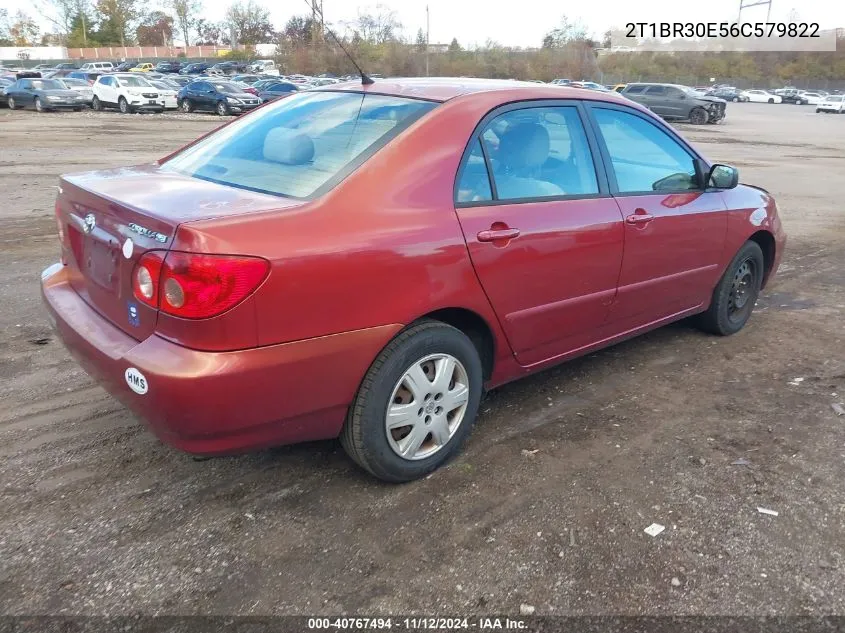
x=299 y=145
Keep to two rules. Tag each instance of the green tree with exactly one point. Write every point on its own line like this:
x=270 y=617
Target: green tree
x=422 y=43
x=249 y=23
x=155 y=29
x=186 y=12
x=117 y=18
x=23 y=30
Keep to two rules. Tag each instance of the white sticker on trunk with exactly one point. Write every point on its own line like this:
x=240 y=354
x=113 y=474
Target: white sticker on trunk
x=136 y=380
x=128 y=247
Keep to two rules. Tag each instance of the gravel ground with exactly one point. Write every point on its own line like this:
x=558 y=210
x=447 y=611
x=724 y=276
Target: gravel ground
x=545 y=507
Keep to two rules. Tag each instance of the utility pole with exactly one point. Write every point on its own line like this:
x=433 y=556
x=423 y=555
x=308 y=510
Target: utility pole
x=427 y=43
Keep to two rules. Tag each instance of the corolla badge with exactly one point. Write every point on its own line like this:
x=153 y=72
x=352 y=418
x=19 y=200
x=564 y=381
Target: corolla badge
x=142 y=230
x=89 y=223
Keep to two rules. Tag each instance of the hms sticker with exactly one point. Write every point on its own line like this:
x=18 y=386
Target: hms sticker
x=136 y=380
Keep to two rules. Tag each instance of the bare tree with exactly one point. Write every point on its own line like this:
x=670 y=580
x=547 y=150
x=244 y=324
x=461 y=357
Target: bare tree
x=186 y=12
x=63 y=14
x=379 y=27
x=249 y=23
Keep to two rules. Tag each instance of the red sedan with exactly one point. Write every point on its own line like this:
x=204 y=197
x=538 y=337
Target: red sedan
x=363 y=261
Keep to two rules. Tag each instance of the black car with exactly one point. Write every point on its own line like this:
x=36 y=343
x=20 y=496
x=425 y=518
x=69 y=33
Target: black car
x=196 y=68
x=168 y=67
x=43 y=95
x=66 y=66
x=276 y=90
x=123 y=67
x=222 y=97
x=675 y=102
x=728 y=93
x=230 y=68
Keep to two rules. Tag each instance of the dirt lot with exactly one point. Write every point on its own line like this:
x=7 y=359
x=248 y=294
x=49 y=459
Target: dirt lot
x=99 y=517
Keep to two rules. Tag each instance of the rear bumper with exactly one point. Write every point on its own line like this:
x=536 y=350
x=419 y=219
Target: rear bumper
x=214 y=403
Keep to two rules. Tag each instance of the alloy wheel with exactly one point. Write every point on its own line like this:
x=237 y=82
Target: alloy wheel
x=12 y=103
x=427 y=406
x=39 y=107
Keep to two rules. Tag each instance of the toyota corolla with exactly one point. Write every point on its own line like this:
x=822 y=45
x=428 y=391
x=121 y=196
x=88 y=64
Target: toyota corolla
x=363 y=261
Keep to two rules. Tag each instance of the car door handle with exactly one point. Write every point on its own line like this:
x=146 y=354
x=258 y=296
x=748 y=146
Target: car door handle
x=639 y=216
x=491 y=235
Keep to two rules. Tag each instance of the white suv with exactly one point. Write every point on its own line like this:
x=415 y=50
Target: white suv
x=97 y=66
x=128 y=92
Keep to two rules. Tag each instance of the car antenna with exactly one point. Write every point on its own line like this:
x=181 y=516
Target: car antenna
x=365 y=79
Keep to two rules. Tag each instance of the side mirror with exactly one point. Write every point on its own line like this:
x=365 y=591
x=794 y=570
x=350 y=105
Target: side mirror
x=723 y=177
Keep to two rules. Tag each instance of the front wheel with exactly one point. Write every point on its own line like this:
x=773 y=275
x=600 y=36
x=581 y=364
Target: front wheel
x=187 y=106
x=736 y=293
x=123 y=106
x=735 y=99
x=417 y=403
x=222 y=108
x=39 y=107
x=771 y=100
x=698 y=116
x=96 y=105
x=12 y=104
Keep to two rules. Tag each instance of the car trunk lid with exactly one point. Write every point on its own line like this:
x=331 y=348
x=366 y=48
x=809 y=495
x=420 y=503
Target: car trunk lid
x=111 y=218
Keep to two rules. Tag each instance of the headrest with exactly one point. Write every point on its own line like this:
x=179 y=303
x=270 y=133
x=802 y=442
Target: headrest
x=524 y=145
x=287 y=146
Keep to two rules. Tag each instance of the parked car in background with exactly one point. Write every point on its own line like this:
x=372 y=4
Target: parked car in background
x=762 y=96
x=43 y=67
x=810 y=98
x=561 y=82
x=124 y=67
x=143 y=67
x=5 y=82
x=229 y=346
x=127 y=92
x=728 y=93
x=276 y=90
x=167 y=92
x=247 y=79
x=619 y=87
x=589 y=85
x=212 y=95
x=180 y=80
x=832 y=103
x=676 y=102
x=264 y=67
x=98 y=67
x=87 y=76
x=79 y=85
x=195 y=68
x=168 y=67
x=229 y=67
x=788 y=95
x=66 y=66
x=43 y=95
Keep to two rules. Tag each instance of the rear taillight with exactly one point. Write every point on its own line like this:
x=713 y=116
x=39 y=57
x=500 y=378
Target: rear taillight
x=63 y=239
x=194 y=286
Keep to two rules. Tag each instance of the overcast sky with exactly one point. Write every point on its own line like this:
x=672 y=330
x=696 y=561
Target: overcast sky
x=526 y=21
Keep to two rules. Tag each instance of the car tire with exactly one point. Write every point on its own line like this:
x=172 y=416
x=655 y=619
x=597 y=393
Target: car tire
x=96 y=105
x=418 y=352
x=123 y=106
x=11 y=103
x=736 y=293
x=39 y=107
x=698 y=116
x=817 y=110
x=222 y=109
x=187 y=105
x=77 y=109
x=735 y=99
x=771 y=100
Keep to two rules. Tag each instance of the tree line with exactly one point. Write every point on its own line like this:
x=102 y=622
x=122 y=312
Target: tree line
x=378 y=41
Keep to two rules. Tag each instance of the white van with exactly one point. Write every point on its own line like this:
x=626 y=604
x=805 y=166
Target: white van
x=97 y=66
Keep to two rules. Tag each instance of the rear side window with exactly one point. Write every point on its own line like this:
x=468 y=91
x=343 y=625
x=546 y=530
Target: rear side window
x=635 y=89
x=539 y=153
x=299 y=145
x=644 y=157
x=474 y=183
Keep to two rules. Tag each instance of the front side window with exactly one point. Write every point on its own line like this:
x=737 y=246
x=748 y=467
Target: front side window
x=299 y=144
x=644 y=157
x=657 y=91
x=539 y=153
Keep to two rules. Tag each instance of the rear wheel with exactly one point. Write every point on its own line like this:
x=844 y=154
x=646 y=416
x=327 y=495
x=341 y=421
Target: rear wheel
x=417 y=403
x=123 y=106
x=698 y=116
x=771 y=100
x=736 y=293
